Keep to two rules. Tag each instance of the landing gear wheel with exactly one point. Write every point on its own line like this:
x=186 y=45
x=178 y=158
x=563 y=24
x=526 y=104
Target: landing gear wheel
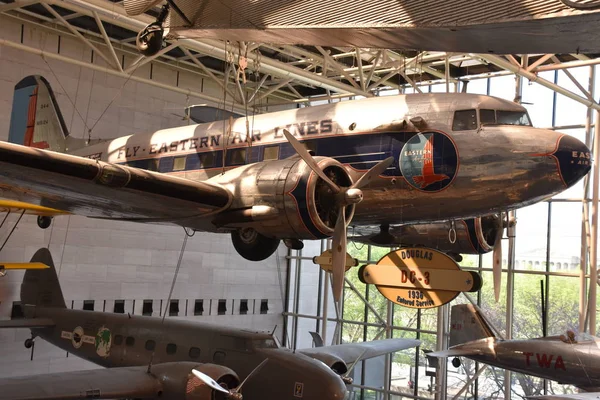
x=150 y=40
x=456 y=362
x=43 y=221
x=28 y=343
x=252 y=245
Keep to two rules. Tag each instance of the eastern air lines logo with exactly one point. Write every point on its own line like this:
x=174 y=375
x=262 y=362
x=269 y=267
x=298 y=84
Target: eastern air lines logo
x=429 y=161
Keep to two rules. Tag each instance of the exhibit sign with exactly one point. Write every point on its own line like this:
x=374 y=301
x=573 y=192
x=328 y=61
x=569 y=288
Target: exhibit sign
x=419 y=277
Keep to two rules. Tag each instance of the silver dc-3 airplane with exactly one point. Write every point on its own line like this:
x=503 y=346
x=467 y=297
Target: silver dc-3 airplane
x=568 y=359
x=147 y=358
x=386 y=160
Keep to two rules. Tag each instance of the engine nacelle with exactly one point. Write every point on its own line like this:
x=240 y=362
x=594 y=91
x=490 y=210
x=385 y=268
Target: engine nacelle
x=178 y=381
x=336 y=364
x=473 y=236
x=284 y=199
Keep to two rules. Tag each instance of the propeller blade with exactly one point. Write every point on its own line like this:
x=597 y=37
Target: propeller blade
x=354 y=363
x=374 y=172
x=254 y=371
x=209 y=381
x=309 y=160
x=339 y=255
x=497 y=268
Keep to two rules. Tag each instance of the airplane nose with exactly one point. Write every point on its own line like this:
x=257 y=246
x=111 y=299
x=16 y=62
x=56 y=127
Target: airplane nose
x=574 y=159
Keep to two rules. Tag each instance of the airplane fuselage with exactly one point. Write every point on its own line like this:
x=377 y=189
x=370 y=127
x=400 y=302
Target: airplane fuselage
x=446 y=164
x=113 y=340
x=550 y=358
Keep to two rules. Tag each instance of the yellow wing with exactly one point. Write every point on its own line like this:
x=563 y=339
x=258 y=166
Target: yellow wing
x=33 y=209
x=29 y=265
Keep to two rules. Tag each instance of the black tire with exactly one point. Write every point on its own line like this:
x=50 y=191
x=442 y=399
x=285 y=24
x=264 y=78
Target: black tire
x=28 y=343
x=456 y=362
x=252 y=245
x=149 y=44
x=44 y=221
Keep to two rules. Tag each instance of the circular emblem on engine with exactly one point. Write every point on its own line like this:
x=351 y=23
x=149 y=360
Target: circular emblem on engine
x=77 y=338
x=429 y=161
x=103 y=342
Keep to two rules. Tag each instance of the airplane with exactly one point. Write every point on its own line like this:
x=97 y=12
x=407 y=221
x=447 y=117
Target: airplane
x=456 y=237
x=364 y=165
x=567 y=359
x=513 y=27
x=151 y=358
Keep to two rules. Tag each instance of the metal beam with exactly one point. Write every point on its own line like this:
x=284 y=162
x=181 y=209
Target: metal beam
x=80 y=36
x=54 y=56
x=107 y=41
x=503 y=63
x=17 y=4
x=213 y=48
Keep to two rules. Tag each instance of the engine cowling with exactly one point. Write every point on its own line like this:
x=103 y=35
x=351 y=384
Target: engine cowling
x=282 y=199
x=473 y=235
x=178 y=381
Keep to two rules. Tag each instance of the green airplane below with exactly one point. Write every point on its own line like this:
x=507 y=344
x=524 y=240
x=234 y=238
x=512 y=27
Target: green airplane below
x=148 y=359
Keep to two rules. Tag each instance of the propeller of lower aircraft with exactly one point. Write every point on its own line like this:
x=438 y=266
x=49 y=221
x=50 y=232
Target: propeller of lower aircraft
x=503 y=223
x=234 y=393
x=343 y=197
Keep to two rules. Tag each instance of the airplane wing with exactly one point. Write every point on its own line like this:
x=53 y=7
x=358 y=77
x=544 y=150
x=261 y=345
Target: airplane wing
x=97 y=189
x=455 y=353
x=112 y=383
x=351 y=352
x=27 y=323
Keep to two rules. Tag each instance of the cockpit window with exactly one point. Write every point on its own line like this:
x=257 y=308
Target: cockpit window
x=512 y=118
x=501 y=117
x=464 y=120
x=265 y=343
x=573 y=337
x=487 y=117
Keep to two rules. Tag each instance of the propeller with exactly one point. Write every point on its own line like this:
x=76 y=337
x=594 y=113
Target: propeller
x=497 y=267
x=504 y=222
x=235 y=393
x=344 y=196
x=346 y=377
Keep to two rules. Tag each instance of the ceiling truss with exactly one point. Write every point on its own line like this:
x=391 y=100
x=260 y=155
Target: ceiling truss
x=251 y=73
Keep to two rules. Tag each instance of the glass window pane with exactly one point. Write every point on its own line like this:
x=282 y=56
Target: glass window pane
x=565 y=240
x=271 y=153
x=464 y=120
x=531 y=238
x=487 y=116
x=538 y=100
x=179 y=163
x=568 y=111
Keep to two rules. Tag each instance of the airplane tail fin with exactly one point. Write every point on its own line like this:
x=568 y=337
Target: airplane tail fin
x=36 y=120
x=41 y=287
x=467 y=324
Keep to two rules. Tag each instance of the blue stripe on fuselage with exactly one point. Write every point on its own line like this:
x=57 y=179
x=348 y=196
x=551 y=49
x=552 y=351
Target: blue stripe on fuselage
x=361 y=151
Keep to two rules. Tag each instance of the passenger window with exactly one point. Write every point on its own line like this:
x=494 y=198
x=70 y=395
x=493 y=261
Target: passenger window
x=207 y=160
x=194 y=352
x=153 y=164
x=219 y=357
x=179 y=164
x=150 y=345
x=118 y=340
x=130 y=341
x=171 y=348
x=236 y=156
x=464 y=120
x=271 y=153
x=487 y=117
